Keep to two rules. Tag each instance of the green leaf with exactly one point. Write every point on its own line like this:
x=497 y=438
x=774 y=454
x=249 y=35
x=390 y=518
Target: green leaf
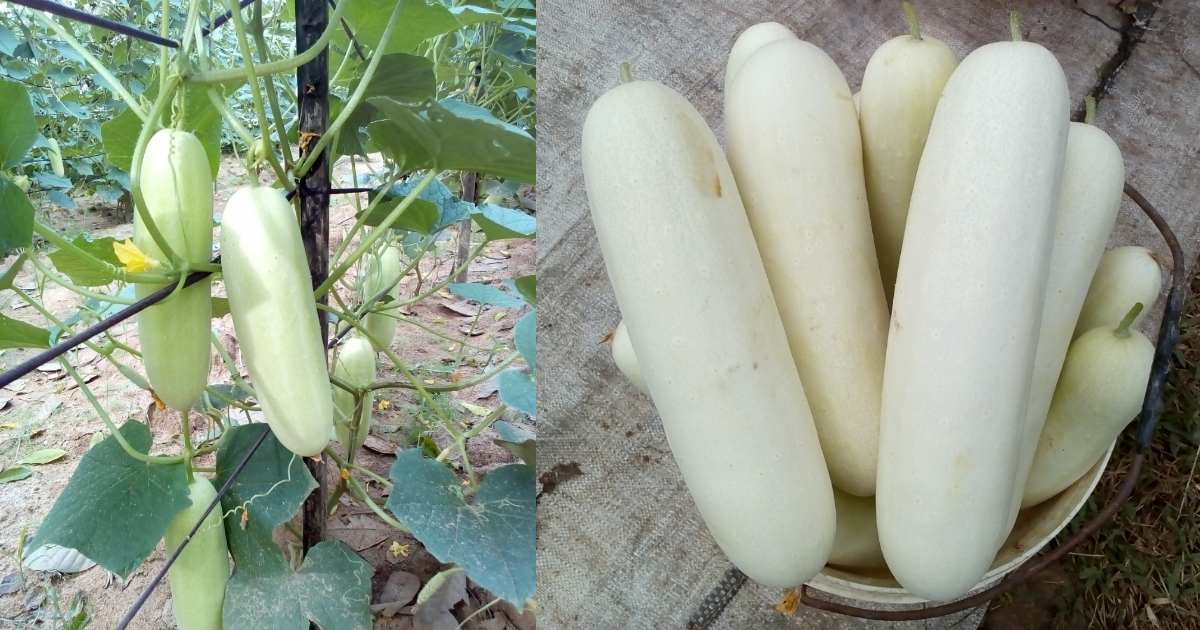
x=518 y=391
x=403 y=77
x=15 y=333
x=220 y=307
x=527 y=287
x=518 y=441
x=417 y=22
x=15 y=473
x=452 y=135
x=525 y=338
x=434 y=210
x=333 y=585
x=499 y=223
x=82 y=270
x=332 y=589
x=485 y=294
x=275 y=478
x=492 y=537
x=18 y=128
x=43 y=456
x=115 y=508
x=16 y=218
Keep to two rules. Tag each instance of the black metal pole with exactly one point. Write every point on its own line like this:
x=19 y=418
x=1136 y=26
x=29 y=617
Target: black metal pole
x=312 y=87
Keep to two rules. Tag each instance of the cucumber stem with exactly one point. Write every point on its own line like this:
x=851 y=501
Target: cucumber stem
x=626 y=72
x=1089 y=109
x=1014 y=25
x=1122 y=330
x=910 y=14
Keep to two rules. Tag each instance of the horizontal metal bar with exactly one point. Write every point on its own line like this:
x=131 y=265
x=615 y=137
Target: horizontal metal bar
x=31 y=364
x=95 y=20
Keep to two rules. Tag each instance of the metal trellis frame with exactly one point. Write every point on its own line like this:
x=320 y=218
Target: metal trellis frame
x=719 y=597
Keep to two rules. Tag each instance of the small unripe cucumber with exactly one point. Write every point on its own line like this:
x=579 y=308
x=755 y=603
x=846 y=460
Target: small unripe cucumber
x=381 y=272
x=355 y=366
x=177 y=187
x=199 y=575
x=275 y=317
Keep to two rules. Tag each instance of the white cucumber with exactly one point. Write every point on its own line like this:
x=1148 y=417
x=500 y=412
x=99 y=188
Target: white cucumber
x=795 y=151
x=1126 y=275
x=177 y=187
x=965 y=320
x=1090 y=196
x=748 y=43
x=856 y=545
x=1101 y=389
x=703 y=323
x=900 y=90
x=275 y=317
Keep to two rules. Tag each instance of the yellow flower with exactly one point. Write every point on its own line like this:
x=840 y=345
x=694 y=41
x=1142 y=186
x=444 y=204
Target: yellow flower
x=133 y=259
x=398 y=550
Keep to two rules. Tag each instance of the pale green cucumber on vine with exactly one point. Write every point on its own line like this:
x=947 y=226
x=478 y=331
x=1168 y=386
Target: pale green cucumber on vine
x=1125 y=275
x=901 y=86
x=969 y=296
x=177 y=187
x=56 y=160
x=199 y=575
x=795 y=151
x=354 y=365
x=718 y=369
x=1089 y=198
x=275 y=317
x=383 y=270
x=1101 y=390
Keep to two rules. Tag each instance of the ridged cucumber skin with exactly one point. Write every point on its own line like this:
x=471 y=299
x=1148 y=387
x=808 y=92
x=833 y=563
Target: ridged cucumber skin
x=177 y=187
x=275 y=317
x=381 y=271
x=199 y=575
x=353 y=365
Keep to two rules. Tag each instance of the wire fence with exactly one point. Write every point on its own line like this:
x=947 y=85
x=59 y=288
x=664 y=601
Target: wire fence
x=108 y=322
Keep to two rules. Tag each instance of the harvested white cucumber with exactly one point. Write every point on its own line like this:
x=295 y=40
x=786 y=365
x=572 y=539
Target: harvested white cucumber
x=856 y=545
x=703 y=323
x=624 y=357
x=275 y=317
x=177 y=187
x=900 y=90
x=1090 y=196
x=749 y=42
x=794 y=148
x=1125 y=275
x=1101 y=389
x=965 y=319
